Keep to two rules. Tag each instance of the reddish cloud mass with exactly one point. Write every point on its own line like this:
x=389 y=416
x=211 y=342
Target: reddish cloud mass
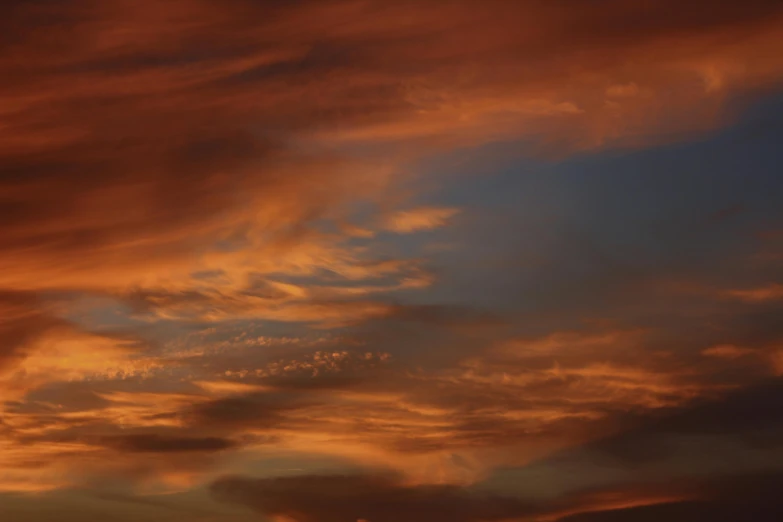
x=358 y=260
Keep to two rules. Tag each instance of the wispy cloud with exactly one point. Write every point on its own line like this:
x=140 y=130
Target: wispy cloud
x=221 y=241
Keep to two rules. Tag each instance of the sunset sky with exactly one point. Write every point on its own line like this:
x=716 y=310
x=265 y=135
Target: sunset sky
x=391 y=261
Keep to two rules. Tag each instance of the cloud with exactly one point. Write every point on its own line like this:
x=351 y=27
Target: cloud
x=153 y=443
x=727 y=351
x=756 y=295
x=363 y=497
x=137 y=156
x=140 y=144
x=414 y=220
x=727 y=500
x=719 y=439
x=380 y=497
x=168 y=170
x=747 y=411
x=260 y=410
x=22 y=323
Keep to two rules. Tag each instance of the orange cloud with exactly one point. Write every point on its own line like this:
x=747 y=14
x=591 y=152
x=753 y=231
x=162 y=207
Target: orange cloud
x=141 y=156
x=727 y=351
x=414 y=220
x=754 y=295
x=200 y=161
x=138 y=144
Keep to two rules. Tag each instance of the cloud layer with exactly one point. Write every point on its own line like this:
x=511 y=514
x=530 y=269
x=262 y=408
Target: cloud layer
x=422 y=260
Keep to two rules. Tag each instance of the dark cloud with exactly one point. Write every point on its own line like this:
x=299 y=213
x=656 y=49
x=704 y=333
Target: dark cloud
x=155 y=443
x=720 y=438
x=58 y=397
x=754 y=497
x=377 y=498
x=380 y=497
x=257 y=410
x=752 y=417
x=23 y=320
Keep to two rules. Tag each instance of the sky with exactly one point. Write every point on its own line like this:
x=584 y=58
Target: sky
x=369 y=261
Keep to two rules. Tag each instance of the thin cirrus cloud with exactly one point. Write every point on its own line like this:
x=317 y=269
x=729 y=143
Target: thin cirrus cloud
x=766 y=293
x=226 y=237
